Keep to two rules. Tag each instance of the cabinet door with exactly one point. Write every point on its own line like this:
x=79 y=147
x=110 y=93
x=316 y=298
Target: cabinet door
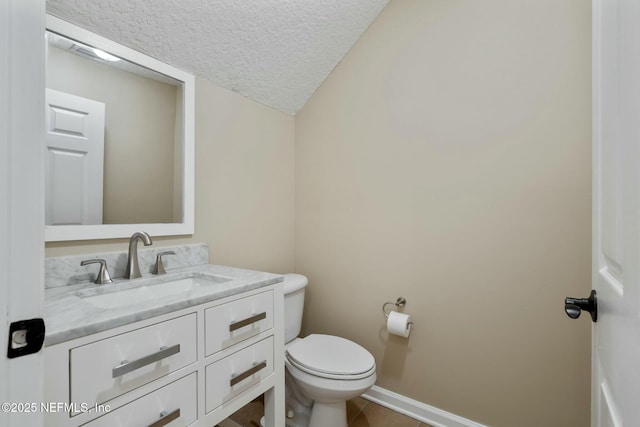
x=108 y=368
x=234 y=322
x=174 y=405
x=228 y=377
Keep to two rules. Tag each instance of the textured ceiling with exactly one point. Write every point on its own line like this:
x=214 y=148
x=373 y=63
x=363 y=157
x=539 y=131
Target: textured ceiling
x=277 y=52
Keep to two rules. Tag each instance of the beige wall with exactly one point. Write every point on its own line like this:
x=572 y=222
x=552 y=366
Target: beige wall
x=244 y=185
x=139 y=141
x=447 y=159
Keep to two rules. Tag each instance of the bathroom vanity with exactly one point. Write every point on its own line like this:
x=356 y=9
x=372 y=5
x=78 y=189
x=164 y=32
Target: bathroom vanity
x=187 y=348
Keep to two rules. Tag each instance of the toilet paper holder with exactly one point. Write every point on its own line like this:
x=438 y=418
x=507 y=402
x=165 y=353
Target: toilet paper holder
x=400 y=302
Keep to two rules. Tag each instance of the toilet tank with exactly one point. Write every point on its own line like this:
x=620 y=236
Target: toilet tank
x=294 y=285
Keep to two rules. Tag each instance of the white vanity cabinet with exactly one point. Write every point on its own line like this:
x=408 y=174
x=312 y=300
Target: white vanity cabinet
x=129 y=360
x=231 y=376
x=191 y=367
x=174 y=404
x=236 y=321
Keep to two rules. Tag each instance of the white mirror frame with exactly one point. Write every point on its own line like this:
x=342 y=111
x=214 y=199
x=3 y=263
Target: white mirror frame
x=111 y=231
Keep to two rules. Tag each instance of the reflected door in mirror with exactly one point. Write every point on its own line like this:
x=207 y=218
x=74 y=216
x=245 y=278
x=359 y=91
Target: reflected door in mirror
x=74 y=160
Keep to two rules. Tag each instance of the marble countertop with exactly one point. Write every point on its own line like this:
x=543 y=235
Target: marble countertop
x=69 y=315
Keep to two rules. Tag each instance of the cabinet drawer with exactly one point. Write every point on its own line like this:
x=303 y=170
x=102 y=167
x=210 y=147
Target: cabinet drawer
x=106 y=369
x=233 y=322
x=238 y=372
x=179 y=397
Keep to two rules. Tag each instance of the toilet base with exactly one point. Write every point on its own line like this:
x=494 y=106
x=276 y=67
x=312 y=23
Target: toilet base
x=300 y=420
x=328 y=414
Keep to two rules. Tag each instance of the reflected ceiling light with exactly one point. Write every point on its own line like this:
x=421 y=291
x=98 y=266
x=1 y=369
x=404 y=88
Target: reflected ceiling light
x=104 y=55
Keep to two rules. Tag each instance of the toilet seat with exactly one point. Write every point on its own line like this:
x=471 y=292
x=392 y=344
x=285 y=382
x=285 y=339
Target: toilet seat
x=331 y=357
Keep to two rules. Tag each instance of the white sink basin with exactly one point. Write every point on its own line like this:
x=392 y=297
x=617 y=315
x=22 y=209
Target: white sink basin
x=136 y=295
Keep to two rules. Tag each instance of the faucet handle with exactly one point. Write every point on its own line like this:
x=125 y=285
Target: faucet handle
x=158 y=268
x=103 y=274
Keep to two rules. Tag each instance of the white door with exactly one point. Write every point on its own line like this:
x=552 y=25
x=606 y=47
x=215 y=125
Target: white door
x=616 y=197
x=75 y=159
x=21 y=200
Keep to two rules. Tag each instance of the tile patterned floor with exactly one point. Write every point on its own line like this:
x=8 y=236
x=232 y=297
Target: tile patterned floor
x=360 y=413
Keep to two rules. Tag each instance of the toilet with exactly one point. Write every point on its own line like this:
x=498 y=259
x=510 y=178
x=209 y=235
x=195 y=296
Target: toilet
x=322 y=371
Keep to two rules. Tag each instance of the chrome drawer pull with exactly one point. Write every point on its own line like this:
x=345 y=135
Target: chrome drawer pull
x=235 y=379
x=125 y=367
x=249 y=320
x=166 y=418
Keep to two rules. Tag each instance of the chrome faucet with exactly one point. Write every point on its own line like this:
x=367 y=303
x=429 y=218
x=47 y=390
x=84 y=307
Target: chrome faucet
x=103 y=275
x=133 y=269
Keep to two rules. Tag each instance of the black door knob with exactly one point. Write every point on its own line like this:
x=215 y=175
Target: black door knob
x=574 y=306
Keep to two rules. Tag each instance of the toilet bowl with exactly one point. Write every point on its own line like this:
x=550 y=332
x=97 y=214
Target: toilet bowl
x=323 y=371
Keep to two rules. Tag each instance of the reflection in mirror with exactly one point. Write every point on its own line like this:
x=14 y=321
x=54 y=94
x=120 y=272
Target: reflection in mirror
x=119 y=139
x=111 y=138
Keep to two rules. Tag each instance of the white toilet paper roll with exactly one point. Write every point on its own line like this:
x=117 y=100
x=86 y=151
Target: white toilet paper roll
x=398 y=324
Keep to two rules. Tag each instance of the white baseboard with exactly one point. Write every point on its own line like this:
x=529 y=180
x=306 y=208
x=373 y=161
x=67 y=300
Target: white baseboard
x=418 y=410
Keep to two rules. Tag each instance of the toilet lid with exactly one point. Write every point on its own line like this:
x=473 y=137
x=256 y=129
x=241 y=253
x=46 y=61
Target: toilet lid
x=332 y=355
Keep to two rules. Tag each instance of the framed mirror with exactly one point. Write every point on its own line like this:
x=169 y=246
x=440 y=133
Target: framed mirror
x=120 y=140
